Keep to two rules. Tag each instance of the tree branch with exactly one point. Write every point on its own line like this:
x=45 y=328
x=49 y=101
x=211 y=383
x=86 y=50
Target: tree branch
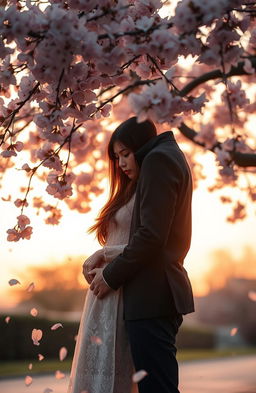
x=215 y=74
x=240 y=159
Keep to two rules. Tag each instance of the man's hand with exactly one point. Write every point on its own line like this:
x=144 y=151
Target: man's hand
x=98 y=285
x=94 y=261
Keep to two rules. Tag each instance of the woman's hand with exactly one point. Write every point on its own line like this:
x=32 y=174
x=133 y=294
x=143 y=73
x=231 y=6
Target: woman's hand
x=94 y=261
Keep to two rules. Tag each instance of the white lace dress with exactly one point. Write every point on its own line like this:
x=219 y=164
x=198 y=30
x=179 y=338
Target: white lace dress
x=102 y=361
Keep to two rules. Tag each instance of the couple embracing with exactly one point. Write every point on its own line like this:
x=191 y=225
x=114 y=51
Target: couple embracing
x=139 y=289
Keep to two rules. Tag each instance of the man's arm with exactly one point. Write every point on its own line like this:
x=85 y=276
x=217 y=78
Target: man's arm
x=159 y=185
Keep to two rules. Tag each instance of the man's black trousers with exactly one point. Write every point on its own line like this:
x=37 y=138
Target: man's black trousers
x=153 y=350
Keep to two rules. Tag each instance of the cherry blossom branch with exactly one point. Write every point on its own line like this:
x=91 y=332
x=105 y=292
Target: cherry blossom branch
x=225 y=81
x=13 y=113
x=55 y=152
x=57 y=102
x=240 y=159
x=216 y=74
x=250 y=11
x=69 y=147
x=124 y=90
x=104 y=13
x=161 y=72
x=135 y=32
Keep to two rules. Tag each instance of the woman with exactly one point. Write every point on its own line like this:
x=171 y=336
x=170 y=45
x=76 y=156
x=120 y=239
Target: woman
x=102 y=360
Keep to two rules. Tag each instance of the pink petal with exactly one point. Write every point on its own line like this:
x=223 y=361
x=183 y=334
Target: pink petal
x=30 y=366
x=59 y=375
x=139 y=375
x=96 y=340
x=7 y=319
x=30 y=287
x=63 y=353
x=40 y=357
x=34 y=312
x=233 y=331
x=13 y=281
x=56 y=326
x=252 y=295
x=28 y=380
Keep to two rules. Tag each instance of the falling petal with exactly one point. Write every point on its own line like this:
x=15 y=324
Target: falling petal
x=139 y=375
x=48 y=390
x=56 y=326
x=30 y=366
x=63 y=353
x=28 y=380
x=96 y=340
x=36 y=336
x=59 y=375
x=7 y=319
x=13 y=281
x=252 y=295
x=40 y=357
x=233 y=331
x=33 y=312
x=30 y=287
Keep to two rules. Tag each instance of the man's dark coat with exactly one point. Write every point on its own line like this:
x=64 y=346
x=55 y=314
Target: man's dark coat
x=150 y=269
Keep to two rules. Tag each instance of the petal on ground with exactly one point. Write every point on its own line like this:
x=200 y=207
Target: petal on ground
x=28 y=380
x=59 y=374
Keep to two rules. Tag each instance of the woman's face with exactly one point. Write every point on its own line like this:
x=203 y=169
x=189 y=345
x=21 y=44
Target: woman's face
x=126 y=160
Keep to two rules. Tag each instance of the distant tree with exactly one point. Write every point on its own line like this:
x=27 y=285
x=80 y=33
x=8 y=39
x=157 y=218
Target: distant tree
x=58 y=287
x=225 y=266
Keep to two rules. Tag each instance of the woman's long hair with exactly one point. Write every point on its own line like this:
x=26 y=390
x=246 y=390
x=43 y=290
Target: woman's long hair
x=132 y=135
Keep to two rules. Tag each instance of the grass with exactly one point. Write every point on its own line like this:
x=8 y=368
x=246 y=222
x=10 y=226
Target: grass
x=200 y=354
x=20 y=368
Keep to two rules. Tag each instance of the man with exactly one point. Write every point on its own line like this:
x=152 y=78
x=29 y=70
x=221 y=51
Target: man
x=156 y=287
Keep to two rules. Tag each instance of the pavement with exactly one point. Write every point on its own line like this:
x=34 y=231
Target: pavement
x=229 y=375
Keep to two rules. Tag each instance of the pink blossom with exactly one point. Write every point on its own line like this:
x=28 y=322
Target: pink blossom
x=253 y=38
x=20 y=202
x=239 y=213
x=237 y=96
x=23 y=221
x=144 y=23
x=206 y=136
x=222 y=156
x=248 y=67
x=51 y=159
x=26 y=168
x=13 y=235
x=55 y=216
x=60 y=186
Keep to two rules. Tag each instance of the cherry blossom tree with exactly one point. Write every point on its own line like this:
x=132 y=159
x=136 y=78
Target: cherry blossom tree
x=71 y=70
